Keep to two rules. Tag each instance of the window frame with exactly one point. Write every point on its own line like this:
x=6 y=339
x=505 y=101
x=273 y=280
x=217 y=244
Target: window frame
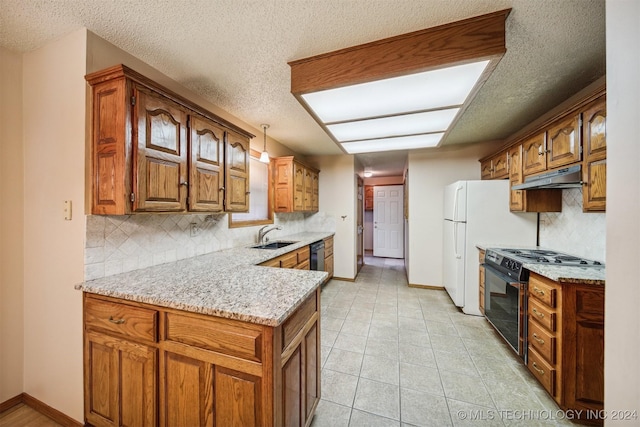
x=255 y=155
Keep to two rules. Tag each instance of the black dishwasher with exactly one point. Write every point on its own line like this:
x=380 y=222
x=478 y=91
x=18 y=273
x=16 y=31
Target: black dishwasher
x=316 y=255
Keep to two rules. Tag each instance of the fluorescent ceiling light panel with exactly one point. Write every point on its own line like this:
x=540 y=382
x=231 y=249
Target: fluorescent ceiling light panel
x=444 y=87
x=391 y=144
x=408 y=124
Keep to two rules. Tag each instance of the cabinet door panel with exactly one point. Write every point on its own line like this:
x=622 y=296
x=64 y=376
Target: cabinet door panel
x=160 y=165
x=594 y=193
x=308 y=190
x=564 y=142
x=534 y=157
x=206 y=187
x=120 y=382
x=187 y=391
x=486 y=169
x=516 y=199
x=238 y=399
x=109 y=139
x=298 y=187
x=237 y=173
x=315 y=198
x=500 y=168
x=292 y=393
x=312 y=371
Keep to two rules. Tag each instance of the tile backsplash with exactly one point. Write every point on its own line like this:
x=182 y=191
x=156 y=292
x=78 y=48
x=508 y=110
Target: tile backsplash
x=573 y=231
x=116 y=244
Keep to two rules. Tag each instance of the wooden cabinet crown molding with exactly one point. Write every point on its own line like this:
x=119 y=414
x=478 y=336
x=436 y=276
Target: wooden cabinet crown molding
x=122 y=71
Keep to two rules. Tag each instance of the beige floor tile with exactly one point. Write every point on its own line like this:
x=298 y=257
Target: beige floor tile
x=382 y=348
x=424 y=409
x=347 y=362
x=338 y=387
x=467 y=414
x=465 y=388
x=329 y=414
x=349 y=342
x=417 y=355
x=380 y=369
x=365 y=419
x=331 y=323
x=383 y=332
x=356 y=328
x=378 y=398
x=418 y=338
x=450 y=343
x=412 y=323
x=441 y=328
x=421 y=378
x=455 y=362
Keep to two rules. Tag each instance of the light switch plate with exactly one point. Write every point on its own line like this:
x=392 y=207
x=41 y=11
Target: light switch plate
x=67 y=210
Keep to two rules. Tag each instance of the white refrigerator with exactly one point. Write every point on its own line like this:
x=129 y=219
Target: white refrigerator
x=477 y=213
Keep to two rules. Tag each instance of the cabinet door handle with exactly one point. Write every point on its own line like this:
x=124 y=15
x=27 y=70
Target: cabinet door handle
x=185 y=183
x=538 y=370
x=538 y=291
x=537 y=313
x=116 y=321
x=540 y=340
x=221 y=189
x=247 y=192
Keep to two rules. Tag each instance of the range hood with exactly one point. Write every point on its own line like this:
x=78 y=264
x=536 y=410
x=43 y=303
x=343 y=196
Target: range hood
x=570 y=177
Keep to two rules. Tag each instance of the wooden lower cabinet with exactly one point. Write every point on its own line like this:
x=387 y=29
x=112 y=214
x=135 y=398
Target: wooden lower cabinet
x=481 y=254
x=566 y=342
x=328 y=256
x=198 y=370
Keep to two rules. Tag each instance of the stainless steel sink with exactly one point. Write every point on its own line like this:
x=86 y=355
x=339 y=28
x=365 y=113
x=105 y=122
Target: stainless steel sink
x=273 y=245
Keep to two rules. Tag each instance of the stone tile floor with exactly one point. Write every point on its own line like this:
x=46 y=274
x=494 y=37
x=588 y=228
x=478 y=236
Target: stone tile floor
x=399 y=356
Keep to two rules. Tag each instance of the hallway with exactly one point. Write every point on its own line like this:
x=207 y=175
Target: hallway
x=394 y=355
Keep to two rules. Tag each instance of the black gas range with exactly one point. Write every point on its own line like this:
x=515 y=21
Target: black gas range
x=509 y=261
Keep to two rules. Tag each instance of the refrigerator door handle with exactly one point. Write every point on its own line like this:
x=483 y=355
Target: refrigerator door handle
x=455 y=240
x=455 y=203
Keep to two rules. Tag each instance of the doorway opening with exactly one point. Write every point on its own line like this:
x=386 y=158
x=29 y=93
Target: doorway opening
x=384 y=222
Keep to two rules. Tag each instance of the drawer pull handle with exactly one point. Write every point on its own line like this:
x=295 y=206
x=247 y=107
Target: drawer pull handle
x=538 y=370
x=537 y=313
x=540 y=340
x=538 y=291
x=116 y=321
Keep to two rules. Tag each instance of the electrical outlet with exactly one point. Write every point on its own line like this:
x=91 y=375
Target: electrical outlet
x=194 y=229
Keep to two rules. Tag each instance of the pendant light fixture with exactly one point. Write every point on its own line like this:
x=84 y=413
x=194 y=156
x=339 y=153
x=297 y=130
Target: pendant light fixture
x=264 y=157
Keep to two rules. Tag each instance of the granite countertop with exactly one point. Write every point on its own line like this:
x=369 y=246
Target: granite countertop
x=559 y=273
x=227 y=283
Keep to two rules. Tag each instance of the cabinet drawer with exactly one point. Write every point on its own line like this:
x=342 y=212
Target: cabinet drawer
x=216 y=335
x=328 y=246
x=543 y=341
x=303 y=254
x=272 y=263
x=543 y=372
x=304 y=265
x=289 y=260
x=543 y=315
x=542 y=290
x=298 y=319
x=122 y=319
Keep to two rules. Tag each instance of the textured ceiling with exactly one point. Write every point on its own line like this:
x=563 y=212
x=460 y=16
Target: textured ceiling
x=235 y=52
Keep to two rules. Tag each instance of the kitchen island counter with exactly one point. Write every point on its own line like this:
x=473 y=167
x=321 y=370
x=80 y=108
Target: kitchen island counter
x=226 y=283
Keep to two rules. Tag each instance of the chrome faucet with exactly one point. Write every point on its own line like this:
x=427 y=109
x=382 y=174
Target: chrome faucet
x=262 y=232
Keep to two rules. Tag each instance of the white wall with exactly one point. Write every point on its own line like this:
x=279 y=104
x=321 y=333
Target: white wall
x=429 y=173
x=338 y=198
x=54 y=141
x=622 y=293
x=11 y=226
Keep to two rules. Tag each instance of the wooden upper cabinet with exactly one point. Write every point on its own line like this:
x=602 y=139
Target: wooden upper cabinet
x=296 y=186
x=486 y=169
x=368 y=197
x=160 y=153
x=564 y=142
x=500 y=165
x=594 y=169
x=497 y=167
x=516 y=200
x=206 y=180
x=154 y=151
x=237 y=173
x=534 y=155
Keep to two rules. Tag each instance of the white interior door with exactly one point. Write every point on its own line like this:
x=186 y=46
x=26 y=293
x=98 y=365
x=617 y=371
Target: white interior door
x=388 y=224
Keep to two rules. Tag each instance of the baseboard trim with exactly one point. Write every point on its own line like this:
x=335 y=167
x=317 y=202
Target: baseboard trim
x=437 y=288
x=10 y=403
x=40 y=407
x=343 y=279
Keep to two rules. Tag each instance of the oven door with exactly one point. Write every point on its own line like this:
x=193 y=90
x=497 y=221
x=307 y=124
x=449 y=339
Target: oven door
x=505 y=308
